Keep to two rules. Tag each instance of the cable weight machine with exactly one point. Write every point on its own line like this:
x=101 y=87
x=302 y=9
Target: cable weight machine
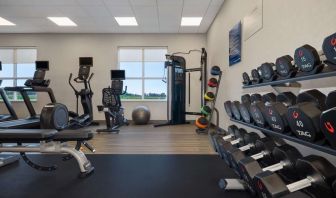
x=176 y=86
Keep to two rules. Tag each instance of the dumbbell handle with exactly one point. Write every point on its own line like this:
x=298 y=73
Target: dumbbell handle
x=246 y=147
x=227 y=137
x=275 y=167
x=259 y=155
x=304 y=183
x=236 y=141
x=232 y=184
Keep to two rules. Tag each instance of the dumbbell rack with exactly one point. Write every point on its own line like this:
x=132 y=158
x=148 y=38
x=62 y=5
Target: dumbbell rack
x=291 y=83
x=213 y=108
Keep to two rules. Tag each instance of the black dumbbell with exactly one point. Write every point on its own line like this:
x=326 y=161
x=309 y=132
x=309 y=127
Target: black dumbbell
x=246 y=79
x=221 y=141
x=268 y=72
x=244 y=107
x=329 y=49
x=304 y=117
x=316 y=174
x=328 y=119
x=235 y=110
x=227 y=107
x=308 y=59
x=255 y=74
x=237 y=141
x=257 y=109
x=284 y=157
x=248 y=147
x=276 y=112
x=285 y=66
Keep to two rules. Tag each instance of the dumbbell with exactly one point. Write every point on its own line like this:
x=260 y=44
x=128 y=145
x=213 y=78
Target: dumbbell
x=245 y=104
x=285 y=66
x=220 y=140
x=246 y=79
x=328 y=119
x=226 y=136
x=247 y=146
x=304 y=117
x=268 y=72
x=284 y=157
x=329 y=49
x=276 y=112
x=257 y=109
x=255 y=74
x=237 y=141
x=227 y=107
x=235 y=110
x=316 y=174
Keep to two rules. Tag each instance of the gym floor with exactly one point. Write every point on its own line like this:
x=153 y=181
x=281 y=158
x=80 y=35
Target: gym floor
x=146 y=139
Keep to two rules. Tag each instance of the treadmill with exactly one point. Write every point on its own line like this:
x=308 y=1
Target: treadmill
x=37 y=84
x=12 y=114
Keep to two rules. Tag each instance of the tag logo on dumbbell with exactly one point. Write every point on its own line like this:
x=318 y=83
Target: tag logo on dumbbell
x=333 y=41
x=329 y=127
x=295 y=115
x=260 y=186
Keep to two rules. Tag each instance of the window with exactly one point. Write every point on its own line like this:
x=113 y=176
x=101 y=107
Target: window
x=18 y=65
x=144 y=70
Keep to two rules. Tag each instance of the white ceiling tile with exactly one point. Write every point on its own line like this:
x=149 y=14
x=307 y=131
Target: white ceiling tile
x=97 y=11
x=216 y=2
x=145 y=11
x=149 y=29
x=90 y=2
x=121 y=11
x=16 y=2
x=29 y=11
x=194 y=11
x=70 y=11
x=54 y=2
x=170 y=2
x=143 y=2
x=116 y=2
x=188 y=3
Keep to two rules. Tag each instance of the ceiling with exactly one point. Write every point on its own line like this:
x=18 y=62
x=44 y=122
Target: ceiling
x=97 y=16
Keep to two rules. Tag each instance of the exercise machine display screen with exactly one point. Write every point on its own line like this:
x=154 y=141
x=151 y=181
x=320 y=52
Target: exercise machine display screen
x=86 y=61
x=117 y=74
x=42 y=65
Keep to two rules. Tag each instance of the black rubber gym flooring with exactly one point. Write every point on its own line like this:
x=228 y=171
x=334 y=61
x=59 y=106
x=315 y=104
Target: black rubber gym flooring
x=147 y=176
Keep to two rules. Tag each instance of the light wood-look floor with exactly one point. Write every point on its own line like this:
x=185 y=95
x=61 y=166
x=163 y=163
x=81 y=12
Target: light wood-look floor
x=133 y=139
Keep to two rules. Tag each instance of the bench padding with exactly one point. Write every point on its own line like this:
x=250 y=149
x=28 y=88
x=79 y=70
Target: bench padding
x=26 y=134
x=73 y=135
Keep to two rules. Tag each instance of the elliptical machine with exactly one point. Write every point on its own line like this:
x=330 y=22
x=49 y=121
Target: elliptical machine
x=112 y=108
x=85 y=94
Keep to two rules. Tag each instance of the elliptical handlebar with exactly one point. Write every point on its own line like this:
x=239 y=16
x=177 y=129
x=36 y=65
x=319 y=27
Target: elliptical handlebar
x=124 y=92
x=70 y=78
x=89 y=84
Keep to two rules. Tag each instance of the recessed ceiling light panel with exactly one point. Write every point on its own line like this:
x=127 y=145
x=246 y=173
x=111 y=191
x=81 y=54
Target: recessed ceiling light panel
x=62 y=21
x=191 y=21
x=5 y=22
x=126 y=21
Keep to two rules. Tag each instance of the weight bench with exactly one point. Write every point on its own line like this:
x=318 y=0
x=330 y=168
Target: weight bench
x=50 y=142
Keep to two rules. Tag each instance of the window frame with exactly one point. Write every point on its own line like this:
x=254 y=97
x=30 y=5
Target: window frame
x=15 y=78
x=142 y=78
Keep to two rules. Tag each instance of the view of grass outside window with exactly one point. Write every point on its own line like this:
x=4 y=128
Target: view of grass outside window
x=144 y=70
x=18 y=65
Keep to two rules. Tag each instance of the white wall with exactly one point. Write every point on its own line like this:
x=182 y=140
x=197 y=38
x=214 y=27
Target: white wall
x=63 y=50
x=287 y=24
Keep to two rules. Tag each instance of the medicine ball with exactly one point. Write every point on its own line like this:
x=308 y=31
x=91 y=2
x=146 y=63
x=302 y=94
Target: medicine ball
x=206 y=110
x=212 y=82
x=215 y=70
x=201 y=122
x=209 y=96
